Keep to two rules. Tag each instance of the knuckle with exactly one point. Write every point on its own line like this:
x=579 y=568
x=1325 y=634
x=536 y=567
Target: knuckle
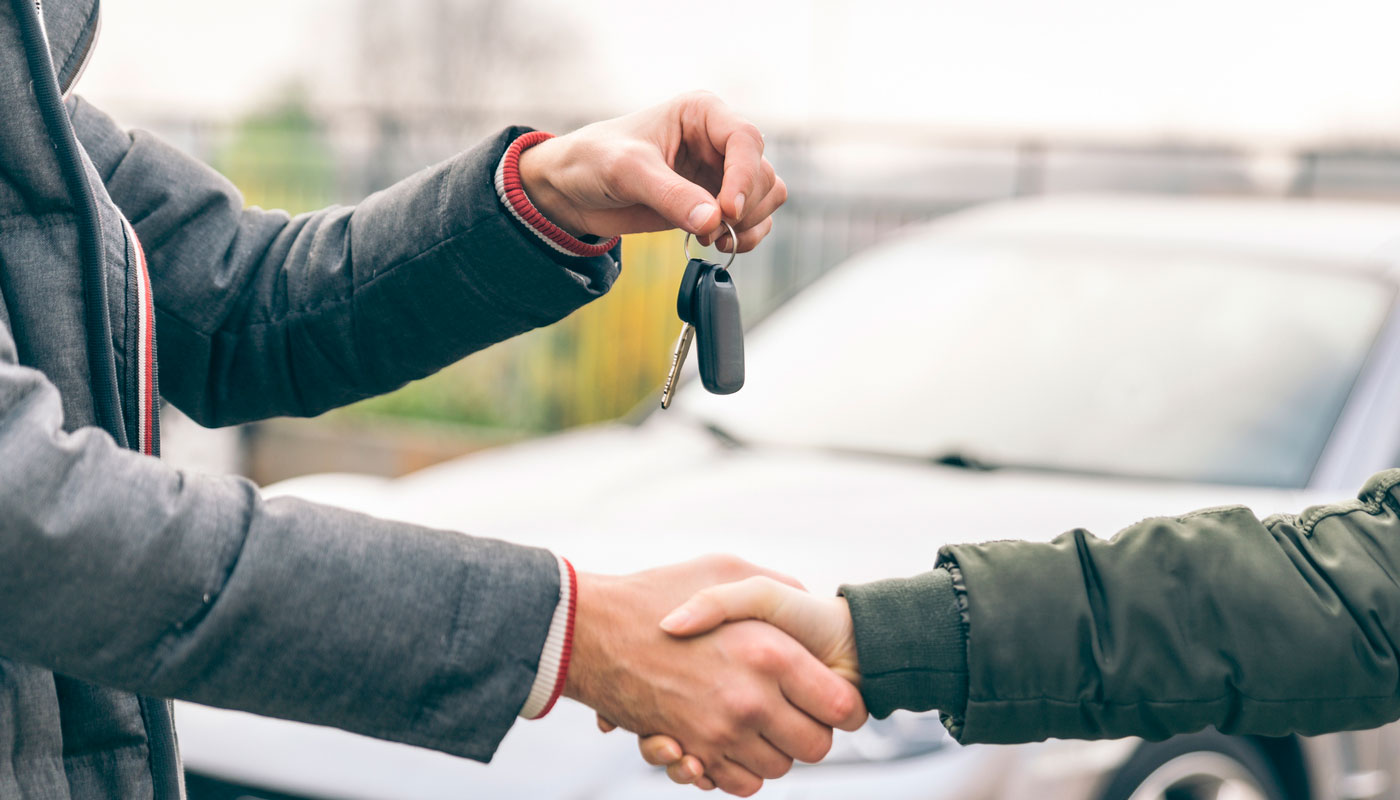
x=780 y=191
x=700 y=97
x=621 y=163
x=673 y=193
x=751 y=130
x=745 y=708
x=727 y=565
x=815 y=747
x=776 y=767
x=843 y=704
x=720 y=734
x=748 y=787
x=767 y=656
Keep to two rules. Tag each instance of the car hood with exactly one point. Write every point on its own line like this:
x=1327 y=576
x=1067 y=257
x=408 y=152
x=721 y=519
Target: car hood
x=618 y=498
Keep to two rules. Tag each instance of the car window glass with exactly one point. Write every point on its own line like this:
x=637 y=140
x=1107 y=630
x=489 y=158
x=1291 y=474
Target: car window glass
x=1130 y=359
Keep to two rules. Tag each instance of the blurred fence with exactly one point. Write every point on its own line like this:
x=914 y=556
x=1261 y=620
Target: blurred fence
x=613 y=354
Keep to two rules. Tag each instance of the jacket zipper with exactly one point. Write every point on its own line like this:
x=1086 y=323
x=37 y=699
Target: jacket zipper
x=168 y=783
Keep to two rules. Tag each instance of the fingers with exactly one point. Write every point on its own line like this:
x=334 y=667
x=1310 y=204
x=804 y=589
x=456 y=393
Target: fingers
x=761 y=209
x=761 y=758
x=688 y=770
x=742 y=147
x=758 y=597
x=734 y=778
x=748 y=239
x=659 y=751
x=642 y=177
x=799 y=736
x=830 y=699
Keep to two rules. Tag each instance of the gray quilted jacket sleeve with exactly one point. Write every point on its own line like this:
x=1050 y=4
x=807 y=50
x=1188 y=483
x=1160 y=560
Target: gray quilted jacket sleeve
x=119 y=570
x=122 y=571
x=260 y=314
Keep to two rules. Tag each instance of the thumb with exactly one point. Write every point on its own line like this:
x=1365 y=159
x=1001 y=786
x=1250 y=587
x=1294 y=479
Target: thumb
x=651 y=183
x=758 y=597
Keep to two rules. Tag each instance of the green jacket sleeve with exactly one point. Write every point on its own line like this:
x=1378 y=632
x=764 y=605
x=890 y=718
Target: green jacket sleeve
x=1215 y=618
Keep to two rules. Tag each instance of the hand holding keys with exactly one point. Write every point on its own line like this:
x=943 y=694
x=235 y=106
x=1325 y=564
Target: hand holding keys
x=708 y=305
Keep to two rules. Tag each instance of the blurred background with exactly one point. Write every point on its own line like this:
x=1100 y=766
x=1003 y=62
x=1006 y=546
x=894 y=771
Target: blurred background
x=878 y=113
x=1214 y=323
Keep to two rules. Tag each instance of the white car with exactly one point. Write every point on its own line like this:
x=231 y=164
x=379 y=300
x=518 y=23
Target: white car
x=1065 y=362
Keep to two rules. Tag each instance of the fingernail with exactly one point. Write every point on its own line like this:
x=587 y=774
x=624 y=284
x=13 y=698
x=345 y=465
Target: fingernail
x=701 y=214
x=691 y=771
x=739 y=206
x=675 y=620
x=672 y=753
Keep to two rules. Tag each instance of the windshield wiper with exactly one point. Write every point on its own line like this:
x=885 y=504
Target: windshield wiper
x=962 y=460
x=725 y=438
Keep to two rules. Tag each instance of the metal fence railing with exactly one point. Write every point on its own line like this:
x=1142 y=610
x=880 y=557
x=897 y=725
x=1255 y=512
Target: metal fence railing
x=603 y=360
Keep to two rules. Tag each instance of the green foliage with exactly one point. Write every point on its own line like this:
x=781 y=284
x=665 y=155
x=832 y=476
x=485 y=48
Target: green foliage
x=280 y=158
x=595 y=365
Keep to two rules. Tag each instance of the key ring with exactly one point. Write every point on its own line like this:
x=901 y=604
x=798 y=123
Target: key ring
x=733 y=237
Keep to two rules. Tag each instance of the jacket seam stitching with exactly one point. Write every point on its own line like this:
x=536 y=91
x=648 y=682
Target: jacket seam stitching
x=1372 y=503
x=1193 y=701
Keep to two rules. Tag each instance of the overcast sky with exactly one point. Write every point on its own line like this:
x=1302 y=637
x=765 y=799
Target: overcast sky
x=1265 y=71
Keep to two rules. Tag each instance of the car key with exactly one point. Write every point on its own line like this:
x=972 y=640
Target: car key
x=708 y=305
x=694 y=268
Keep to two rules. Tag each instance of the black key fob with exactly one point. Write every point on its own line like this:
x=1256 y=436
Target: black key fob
x=719 y=331
x=685 y=298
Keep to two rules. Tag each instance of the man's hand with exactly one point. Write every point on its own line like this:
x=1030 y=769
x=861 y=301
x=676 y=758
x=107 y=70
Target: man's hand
x=746 y=699
x=821 y=624
x=681 y=164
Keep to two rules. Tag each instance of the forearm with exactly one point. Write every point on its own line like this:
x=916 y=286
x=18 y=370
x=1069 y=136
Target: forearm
x=121 y=571
x=1211 y=619
x=268 y=315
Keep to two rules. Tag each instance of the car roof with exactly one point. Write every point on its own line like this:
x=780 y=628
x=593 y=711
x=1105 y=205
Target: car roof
x=1348 y=234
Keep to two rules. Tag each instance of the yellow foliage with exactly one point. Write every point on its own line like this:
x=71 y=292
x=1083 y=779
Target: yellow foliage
x=595 y=365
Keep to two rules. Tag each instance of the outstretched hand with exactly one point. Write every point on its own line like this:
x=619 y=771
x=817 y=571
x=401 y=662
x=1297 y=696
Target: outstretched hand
x=684 y=164
x=821 y=624
x=744 y=700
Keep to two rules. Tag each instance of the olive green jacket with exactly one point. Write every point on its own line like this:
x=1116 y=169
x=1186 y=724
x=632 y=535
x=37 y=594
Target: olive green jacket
x=1215 y=618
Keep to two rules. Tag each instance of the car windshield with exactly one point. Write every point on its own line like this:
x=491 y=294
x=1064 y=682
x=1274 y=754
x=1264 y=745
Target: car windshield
x=1080 y=356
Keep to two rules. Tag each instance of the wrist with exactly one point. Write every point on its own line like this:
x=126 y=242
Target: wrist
x=538 y=165
x=845 y=659
x=510 y=188
x=592 y=617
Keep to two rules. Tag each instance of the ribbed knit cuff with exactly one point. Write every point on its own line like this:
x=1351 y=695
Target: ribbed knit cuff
x=558 y=645
x=912 y=644
x=512 y=193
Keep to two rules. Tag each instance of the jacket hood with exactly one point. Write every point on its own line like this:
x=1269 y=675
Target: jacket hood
x=30 y=175
x=72 y=27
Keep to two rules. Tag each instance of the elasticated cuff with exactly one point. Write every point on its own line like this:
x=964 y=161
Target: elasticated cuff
x=912 y=644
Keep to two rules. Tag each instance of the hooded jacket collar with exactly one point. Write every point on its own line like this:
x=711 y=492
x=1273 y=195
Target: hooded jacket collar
x=72 y=27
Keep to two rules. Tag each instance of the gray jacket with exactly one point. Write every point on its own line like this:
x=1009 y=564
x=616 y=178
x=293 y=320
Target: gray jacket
x=122 y=579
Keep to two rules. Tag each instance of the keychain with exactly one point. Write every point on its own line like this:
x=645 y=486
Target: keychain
x=708 y=305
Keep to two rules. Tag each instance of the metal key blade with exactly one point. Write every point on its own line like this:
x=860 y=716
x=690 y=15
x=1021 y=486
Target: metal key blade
x=677 y=361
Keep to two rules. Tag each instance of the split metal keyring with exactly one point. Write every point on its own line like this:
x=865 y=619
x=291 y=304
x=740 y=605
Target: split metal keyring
x=733 y=237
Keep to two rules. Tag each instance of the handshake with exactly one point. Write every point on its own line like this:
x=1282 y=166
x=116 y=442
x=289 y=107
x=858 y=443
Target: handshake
x=727 y=671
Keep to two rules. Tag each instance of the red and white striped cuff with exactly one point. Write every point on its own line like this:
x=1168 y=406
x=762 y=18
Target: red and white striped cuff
x=512 y=194
x=558 y=646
